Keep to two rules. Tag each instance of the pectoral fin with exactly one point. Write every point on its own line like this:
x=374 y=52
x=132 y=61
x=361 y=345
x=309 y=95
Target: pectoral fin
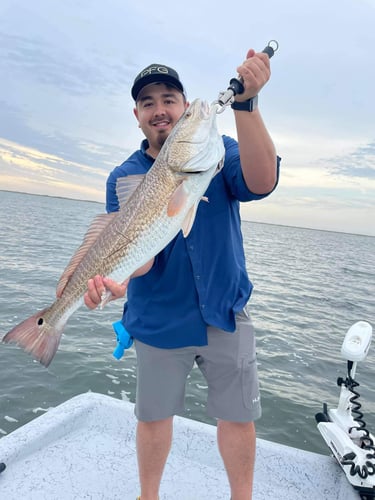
x=189 y=220
x=190 y=217
x=177 y=201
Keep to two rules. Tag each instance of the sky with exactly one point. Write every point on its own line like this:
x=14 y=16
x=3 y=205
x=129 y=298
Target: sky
x=66 y=115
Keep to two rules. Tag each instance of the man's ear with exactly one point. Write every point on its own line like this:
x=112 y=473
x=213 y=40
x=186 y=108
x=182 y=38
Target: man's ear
x=135 y=111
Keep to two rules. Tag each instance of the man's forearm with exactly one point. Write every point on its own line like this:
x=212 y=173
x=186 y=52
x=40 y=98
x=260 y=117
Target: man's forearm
x=257 y=152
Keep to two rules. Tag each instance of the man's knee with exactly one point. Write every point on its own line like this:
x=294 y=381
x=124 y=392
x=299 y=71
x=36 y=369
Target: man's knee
x=155 y=427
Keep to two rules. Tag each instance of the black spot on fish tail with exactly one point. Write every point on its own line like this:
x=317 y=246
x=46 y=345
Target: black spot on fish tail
x=36 y=337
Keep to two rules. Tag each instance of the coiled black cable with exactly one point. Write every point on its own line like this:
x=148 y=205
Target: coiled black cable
x=366 y=442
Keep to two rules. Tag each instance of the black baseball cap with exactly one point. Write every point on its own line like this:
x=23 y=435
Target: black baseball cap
x=156 y=73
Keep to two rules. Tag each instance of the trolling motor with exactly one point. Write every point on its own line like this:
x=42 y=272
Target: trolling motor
x=343 y=428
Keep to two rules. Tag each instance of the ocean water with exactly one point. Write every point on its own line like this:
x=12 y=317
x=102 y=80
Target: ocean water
x=310 y=287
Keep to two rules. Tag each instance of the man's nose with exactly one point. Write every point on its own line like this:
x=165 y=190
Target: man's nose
x=159 y=109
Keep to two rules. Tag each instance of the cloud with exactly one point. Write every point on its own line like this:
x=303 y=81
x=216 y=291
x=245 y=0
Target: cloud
x=67 y=69
x=55 y=66
x=315 y=212
x=14 y=128
x=357 y=164
x=32 y=170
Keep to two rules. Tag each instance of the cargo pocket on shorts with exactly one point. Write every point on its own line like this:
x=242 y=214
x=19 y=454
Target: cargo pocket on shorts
x=250 y=385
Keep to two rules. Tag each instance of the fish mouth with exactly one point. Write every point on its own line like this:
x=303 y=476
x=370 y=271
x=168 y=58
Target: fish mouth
x=199 y=109
x=205 y=107
x=205 y=110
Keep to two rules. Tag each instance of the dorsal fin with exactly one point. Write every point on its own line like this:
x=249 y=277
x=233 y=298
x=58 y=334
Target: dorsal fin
x=125 y=187
x=95 y=230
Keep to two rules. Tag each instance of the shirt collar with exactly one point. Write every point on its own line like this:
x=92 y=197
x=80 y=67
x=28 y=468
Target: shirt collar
x=144 y=147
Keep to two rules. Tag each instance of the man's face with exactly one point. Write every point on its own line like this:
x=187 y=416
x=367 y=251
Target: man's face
x=158 y=108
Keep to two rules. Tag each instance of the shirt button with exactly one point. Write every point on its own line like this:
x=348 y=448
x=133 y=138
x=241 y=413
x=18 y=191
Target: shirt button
x=191 y=247
x=198 y=277
x=203 y=306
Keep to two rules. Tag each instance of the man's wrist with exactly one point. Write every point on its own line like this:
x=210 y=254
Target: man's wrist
x=248 y=105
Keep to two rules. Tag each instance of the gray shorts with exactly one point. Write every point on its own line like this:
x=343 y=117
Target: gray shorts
x=228 y=363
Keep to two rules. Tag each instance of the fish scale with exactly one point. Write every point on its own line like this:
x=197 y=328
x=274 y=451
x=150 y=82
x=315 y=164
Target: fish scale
x=118 y=244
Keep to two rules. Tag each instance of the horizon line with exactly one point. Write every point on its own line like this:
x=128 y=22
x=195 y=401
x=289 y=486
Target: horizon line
x=242 y=219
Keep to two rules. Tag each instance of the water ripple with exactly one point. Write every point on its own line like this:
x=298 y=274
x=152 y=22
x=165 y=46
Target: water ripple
x=310 y=287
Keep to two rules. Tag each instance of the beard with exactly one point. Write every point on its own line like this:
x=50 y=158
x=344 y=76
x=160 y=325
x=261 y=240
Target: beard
x=161 y=138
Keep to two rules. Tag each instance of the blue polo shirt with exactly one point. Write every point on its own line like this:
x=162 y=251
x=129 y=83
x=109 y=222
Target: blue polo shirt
x=196 y=281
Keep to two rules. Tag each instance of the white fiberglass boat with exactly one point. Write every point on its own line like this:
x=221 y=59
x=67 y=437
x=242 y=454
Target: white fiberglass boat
x=85 y=449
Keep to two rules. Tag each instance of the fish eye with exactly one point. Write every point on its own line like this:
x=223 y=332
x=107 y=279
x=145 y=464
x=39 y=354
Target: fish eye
x=187 y=114
x=40 y=321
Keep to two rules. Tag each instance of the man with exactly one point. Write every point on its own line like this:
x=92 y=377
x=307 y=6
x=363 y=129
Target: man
x=188 y=304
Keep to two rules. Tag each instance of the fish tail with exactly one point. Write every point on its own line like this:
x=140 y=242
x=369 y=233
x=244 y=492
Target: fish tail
x=37 y=337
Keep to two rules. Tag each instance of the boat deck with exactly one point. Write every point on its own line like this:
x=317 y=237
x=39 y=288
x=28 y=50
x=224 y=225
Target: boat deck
x=85 y=449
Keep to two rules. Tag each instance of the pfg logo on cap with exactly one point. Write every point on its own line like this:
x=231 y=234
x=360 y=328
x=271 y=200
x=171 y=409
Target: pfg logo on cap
x=154 y=69
x=156 y=73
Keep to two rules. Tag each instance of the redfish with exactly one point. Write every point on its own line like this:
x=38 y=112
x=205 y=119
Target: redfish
x=153 y=209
